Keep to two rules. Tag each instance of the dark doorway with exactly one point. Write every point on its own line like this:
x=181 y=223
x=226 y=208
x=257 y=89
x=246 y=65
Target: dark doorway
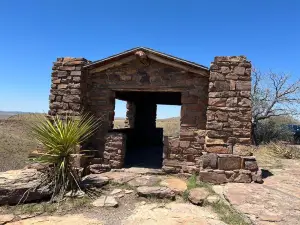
x=144 y=141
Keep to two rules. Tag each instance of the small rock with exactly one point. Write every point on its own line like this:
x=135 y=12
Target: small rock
x=111 y=202
x=198 y=195
x=116 y=191
x=105 y=201
x=156 y=191
x=120 y=196
x=213 y=199
x=175 y=184
x=6 y=218
x=95 y=180
x=78 y=194
x=144 y=181
x=128 y=191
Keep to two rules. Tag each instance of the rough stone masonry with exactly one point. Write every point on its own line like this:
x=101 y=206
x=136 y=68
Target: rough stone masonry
x=215 y=120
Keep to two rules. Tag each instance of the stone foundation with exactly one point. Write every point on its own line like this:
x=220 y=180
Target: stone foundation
x=223 y=168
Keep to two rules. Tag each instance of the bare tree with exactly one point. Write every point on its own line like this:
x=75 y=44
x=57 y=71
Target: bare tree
x=273 y=95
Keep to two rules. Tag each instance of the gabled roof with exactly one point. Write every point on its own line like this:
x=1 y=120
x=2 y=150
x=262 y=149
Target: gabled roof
x=152 y=54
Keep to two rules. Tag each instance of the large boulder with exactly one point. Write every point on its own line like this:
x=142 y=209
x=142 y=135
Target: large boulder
x=21 y=186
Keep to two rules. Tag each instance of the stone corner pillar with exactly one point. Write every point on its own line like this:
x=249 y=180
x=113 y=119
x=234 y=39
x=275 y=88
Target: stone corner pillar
x=68 y=86
x=228 y=127
x=229 y=104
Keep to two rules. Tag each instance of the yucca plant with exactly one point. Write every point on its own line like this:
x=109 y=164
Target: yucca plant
x=60 y=138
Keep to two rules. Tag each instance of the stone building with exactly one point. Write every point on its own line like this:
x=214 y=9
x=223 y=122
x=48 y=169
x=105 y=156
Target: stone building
x=215 y=122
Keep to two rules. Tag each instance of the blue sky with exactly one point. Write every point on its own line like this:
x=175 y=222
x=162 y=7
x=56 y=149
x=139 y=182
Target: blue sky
x=34 y=33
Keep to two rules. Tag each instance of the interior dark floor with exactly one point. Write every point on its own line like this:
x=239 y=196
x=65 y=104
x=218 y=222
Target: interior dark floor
x=148 y=157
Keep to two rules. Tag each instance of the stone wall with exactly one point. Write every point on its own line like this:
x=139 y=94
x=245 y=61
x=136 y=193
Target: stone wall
x=152 y=76
x=223 y=168
x=184 y=152
x=115 y=149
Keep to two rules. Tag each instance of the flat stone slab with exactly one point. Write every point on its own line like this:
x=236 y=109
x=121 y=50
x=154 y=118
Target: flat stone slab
x=15 y=183
x=156 y=191
x=120 y=177
x=198 y=195
x=175 y=184
x=146 y=180
x=74 y=219
x=6 y=218
x=172 y=214
x=95 y=180
x=105 y=201
x=276 y=201
x=145 y=171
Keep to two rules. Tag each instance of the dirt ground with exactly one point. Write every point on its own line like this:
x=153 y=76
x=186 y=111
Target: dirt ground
x=275 y=202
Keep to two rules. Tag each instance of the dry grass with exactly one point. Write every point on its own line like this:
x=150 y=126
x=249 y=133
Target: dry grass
x=270 y=156
x=281 y=150
x=119 y=123
x=171 y=126
x=15 y=142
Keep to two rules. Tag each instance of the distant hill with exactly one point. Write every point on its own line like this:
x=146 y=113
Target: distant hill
x=7 y=114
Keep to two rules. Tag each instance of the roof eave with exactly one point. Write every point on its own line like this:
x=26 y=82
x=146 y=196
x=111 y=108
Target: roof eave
x=128 y=52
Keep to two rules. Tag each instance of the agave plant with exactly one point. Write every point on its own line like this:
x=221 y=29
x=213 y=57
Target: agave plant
x=60 y=138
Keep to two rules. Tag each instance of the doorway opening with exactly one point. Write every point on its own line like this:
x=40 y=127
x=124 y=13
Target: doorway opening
x=144 y=140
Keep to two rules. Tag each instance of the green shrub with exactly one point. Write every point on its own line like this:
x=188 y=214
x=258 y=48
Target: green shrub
x=274 y=129
x=60 y=138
